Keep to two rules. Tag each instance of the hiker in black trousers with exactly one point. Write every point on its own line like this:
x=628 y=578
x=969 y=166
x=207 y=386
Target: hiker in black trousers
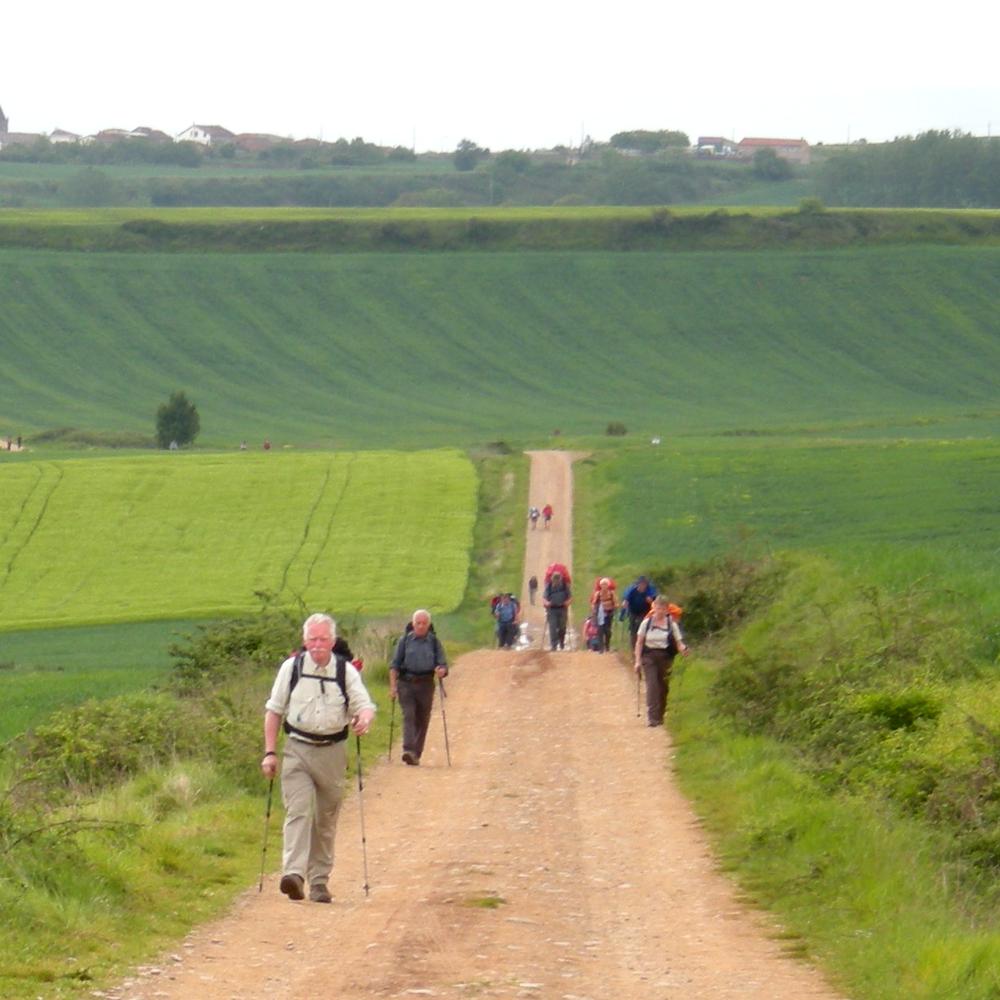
x=419 y=660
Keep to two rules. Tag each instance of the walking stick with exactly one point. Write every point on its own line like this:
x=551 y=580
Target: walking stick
x=392 y=722
x=267 y=823
x=361 y=813
x=444 y=719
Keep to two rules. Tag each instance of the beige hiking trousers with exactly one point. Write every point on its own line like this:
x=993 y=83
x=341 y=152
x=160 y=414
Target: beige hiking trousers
x=312 y=789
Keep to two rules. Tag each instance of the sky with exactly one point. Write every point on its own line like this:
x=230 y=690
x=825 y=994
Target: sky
x=525 y=74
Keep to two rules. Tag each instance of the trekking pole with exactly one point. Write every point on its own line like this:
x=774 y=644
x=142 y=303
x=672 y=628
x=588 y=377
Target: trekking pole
x=444 y=719
x=267 y=823
x=392 y=722
x=361 y=813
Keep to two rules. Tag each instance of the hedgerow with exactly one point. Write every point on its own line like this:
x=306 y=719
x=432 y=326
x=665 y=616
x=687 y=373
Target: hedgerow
x=877 y=692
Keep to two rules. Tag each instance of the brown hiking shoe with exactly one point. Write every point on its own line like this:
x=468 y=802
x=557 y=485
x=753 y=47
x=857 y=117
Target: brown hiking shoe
x=292 y=886
x=410 y=758
x=319 y=893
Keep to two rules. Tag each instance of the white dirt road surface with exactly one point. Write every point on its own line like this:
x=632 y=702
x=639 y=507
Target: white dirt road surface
x=554 y=858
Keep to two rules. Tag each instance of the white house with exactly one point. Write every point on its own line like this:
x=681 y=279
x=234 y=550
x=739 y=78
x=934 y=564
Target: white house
x=205 y=135
x=59 y=135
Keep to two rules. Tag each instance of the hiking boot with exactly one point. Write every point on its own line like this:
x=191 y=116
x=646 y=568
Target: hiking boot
x=293 y=886
x=319 y=893
x=411 y=758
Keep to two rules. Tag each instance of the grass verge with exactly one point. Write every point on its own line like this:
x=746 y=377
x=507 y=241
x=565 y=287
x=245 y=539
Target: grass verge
x=855 y=886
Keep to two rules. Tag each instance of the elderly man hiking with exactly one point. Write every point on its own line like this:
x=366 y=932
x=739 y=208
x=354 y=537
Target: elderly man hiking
x=319 y=697
x=419 y=659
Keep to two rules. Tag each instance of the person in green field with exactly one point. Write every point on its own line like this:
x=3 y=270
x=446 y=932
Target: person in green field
x=318 y=697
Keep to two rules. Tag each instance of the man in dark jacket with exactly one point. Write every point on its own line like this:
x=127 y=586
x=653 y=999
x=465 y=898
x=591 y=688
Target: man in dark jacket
x=636 y=602
x=556 y=598
x=419 y=660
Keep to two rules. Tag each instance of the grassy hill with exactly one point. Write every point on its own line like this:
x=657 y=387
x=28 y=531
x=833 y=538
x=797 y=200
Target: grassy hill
x=384 y=350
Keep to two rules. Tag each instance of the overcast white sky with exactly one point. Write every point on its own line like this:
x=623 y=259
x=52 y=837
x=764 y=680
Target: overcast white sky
x=521 y=74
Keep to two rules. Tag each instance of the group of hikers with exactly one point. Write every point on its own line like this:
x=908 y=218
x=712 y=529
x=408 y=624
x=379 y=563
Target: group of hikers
x=318 y=699
x=534 y=513
x=654 y=631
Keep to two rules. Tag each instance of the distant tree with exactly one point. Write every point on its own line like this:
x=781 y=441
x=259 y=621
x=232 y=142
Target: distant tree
x=401 y=154
x=513 y=161
x=768 y=166
x=467 y=154
x=649 y=142
x=177 y=420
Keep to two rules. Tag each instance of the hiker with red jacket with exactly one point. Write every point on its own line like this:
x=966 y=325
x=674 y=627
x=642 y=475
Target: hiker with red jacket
x=547 y=514
x=658 y=642
x=319 y=697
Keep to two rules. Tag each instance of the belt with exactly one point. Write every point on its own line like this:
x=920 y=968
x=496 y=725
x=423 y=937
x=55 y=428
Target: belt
x=315 y=739
x=416 y=678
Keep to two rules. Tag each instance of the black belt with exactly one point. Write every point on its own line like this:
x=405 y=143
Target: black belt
x=403 y=676
x=316 y=739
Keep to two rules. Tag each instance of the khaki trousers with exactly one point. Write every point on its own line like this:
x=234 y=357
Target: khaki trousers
x=312 y=789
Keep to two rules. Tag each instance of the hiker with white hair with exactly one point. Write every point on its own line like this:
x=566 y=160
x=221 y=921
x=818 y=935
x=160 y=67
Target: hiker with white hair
x=419 y=660
x=318 y=698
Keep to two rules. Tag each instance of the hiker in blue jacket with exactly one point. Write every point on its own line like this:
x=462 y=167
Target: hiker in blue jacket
x=505 y=611
x=636 y=603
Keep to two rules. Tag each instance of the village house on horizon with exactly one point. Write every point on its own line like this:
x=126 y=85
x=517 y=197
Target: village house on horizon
x=795 y=151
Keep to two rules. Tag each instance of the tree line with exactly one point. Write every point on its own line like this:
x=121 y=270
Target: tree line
x=933 y=169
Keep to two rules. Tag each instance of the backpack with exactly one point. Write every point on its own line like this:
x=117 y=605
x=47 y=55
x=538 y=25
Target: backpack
x=557 y=568
x=339 y=678
x=671 y=638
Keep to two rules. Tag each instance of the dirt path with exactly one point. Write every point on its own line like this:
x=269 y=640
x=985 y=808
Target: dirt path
x=555 y=858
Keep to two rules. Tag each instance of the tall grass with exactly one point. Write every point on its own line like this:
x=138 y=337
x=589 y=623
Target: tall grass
x=856 y=887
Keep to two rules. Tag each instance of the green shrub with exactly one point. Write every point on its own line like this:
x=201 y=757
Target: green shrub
x=235 y=646
x=100 y=743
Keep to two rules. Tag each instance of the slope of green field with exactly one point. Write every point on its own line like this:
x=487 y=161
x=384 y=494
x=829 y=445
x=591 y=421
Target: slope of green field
x=194 y=536
x=703 y=498
x=388 y=350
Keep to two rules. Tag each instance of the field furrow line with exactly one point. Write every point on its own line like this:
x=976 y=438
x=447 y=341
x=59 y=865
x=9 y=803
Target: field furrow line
x=329 y=523
x=305 y=532
x=24 y=512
